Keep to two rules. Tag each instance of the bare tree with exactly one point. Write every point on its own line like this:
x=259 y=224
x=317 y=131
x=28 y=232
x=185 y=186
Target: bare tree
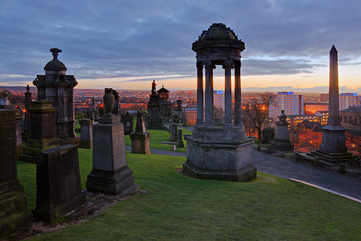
x=255 y=114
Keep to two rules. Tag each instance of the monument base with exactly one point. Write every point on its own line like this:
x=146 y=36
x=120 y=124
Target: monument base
x=282 y=145
x=112 y=182
x=221 y=161
x=333 y=140
x=140 y=143
x=14 y=217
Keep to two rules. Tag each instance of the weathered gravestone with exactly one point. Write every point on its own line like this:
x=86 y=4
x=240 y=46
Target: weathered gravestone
x=127 y=120
x=180 y=143
x=140 y=137
x=19 y=130
x=267 y=135
x=13 y=212
x=58 y=183
x=86 y=133
x=110 y=173
x=173 y=128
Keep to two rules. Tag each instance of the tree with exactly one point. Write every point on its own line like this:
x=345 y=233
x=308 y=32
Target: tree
x=255 y=115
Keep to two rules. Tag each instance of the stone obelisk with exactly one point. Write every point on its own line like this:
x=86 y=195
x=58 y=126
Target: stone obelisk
x=333 y=148
x=333 y=138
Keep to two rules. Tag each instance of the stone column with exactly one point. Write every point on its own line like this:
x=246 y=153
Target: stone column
x=209 y=93
x=199 y=93
x=237 y=94
x=228 y=93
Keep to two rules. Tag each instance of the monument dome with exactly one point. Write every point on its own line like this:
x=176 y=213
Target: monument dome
x=218 y=31
x=55 y=64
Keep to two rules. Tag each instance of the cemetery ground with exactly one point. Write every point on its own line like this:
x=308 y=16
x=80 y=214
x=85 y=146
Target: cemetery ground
x=176 y=207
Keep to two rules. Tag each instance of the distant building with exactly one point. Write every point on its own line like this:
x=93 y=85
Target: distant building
x=289 y=102
x=348 y=100
x=312 y=108
x=218 y=96
x=324 y=117
x=295 y=120
x=351 y=118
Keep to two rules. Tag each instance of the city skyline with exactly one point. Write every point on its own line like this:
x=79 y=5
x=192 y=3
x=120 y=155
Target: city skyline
x=122 y=45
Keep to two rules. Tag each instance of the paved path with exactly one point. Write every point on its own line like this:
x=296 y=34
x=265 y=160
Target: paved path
x=286 y=168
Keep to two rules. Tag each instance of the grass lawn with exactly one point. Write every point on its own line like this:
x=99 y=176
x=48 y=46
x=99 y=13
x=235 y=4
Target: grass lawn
x=182 y=208
x=159 y=136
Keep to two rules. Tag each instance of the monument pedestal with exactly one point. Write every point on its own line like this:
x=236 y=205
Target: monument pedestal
x=282 y=138
x=219 y=153
x=58 y=184
x=110 y=173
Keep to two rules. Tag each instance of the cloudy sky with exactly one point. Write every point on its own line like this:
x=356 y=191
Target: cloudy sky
x=125 y=44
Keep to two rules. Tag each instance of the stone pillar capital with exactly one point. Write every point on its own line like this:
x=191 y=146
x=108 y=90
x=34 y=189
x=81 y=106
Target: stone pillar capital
x=228 y=64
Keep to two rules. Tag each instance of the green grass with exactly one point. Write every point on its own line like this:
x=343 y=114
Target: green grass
x=183 y=208
x=159 y=136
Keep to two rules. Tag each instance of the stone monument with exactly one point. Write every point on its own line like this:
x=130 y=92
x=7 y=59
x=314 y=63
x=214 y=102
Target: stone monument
x=154 y=120
x=219 y=152
x=58 y=183
x=86 y=133
x=110 y=173
x=333 y=151
x=13 y=209
x=281 y=141
x=27 y=103
x=180 y=143
x=57 y=87
x=140 y=137
x=165 y=105
x=127 y=120
x=173 y=129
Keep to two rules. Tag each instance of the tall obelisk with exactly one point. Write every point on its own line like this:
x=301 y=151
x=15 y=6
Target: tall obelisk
x=333 y=138
x=333 y=96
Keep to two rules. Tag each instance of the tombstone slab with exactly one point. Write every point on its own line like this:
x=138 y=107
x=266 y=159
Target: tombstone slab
x=140 y=138
x=58 y=183
x=13 y=210
x=86 y=133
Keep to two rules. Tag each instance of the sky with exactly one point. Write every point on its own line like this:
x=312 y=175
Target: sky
x=126 y=44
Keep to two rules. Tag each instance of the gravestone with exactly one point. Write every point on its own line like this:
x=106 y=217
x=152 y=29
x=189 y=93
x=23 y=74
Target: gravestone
x=154 y=118
x=140 y=137
x=110 y=173
x=19 y=131
x=173 y=128
x=86 y=133
x=58 y=183
x=281 y=141
x=180 y=143
x=13 y=210
x=267 y=135
x=127 y=120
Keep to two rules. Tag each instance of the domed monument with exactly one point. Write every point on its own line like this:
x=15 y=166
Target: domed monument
x=219 y=151
x=57 y=87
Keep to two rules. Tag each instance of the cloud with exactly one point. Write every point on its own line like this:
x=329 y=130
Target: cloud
x=104 y=39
